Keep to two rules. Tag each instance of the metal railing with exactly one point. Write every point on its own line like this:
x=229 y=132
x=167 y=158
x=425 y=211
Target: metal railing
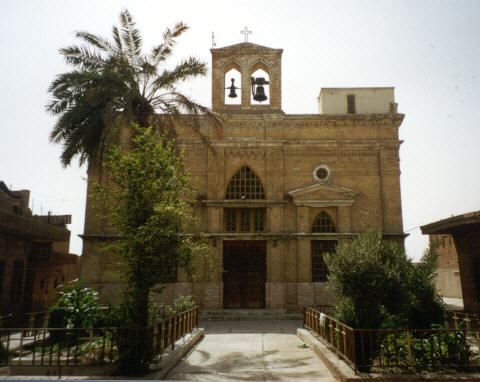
x=461 y=320
x=340 y=337
x=25 y=320
x=398 y=349
x=91 y=346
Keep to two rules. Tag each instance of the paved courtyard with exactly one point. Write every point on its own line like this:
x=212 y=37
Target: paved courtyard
x=251 y=351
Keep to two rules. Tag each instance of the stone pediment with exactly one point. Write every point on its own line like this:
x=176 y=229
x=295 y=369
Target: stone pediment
x=323 y=195
x=246 y=46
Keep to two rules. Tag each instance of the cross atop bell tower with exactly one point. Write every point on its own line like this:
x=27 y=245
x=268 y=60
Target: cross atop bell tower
x=246 y=77
x=246 y=32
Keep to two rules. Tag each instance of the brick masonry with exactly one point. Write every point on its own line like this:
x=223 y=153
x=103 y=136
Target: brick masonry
x=362 y=190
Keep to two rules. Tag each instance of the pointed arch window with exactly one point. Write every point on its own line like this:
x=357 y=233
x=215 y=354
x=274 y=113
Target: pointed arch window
x=245 y=184
x=323 y=223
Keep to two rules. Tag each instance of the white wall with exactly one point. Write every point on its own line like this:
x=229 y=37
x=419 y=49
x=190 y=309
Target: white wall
x=367 y=100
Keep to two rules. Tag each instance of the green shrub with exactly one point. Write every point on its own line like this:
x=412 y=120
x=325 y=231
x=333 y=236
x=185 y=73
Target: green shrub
x=425 y=306
x=76 y=307
x=376 y=286
x=183 y=303
x=368 y=280
x=158 y=312
x=442 y=348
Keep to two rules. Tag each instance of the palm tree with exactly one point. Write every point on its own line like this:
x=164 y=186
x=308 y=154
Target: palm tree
x=113 y=78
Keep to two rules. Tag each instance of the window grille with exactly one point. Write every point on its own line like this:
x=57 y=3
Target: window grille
x=351 y=104
x=168 y=272
x=244 y=219
x=245 y=184
x=230 y=220
x=259 y=220
x=323 y=223
x=319 y=268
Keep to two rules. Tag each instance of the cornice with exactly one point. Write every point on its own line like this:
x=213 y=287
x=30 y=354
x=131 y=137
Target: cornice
x=322 y=187
x=323 y=203
x=261 y=235
x=242 y=203
x=245 y=118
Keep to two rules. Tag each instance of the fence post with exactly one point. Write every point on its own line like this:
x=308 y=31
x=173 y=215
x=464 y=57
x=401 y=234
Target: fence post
x=174 y=336
x=90 y=339
x=162 y=338
x=410 y=359
x=354 y=352
x=21 y=346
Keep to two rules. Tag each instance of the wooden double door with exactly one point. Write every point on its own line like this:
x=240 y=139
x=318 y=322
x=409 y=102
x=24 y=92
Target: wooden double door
x=244 y=274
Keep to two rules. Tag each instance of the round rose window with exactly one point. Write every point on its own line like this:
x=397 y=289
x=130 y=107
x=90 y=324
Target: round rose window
x=321 y=173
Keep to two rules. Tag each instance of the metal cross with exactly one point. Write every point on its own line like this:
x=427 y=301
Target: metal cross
x=246 y=32
x=214 y=44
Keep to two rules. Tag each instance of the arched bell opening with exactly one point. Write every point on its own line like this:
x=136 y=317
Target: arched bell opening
x=233 y=87
x=260 y=82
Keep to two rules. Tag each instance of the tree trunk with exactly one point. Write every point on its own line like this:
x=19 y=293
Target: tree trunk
x=136 y=352
x=143 y=112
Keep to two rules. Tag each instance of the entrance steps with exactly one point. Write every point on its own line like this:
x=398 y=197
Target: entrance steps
x=247 y=315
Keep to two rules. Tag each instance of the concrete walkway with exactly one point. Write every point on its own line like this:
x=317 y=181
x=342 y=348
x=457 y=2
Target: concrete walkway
x=251 y=351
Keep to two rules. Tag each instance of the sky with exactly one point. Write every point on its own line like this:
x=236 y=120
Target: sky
x=428 y=50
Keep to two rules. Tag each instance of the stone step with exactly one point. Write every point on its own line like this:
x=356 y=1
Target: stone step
x=247 y=314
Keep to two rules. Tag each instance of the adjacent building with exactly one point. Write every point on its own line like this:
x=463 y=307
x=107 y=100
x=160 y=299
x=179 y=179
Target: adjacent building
x=458 y=239
x=34 y=255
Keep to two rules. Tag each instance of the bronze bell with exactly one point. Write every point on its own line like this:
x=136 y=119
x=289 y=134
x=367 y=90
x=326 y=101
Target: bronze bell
x=259 y=91
x=232 y=88
x=260 y=94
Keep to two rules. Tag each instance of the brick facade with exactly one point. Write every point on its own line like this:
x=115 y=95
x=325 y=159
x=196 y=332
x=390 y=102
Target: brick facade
x=448 y=273
x=362 y=190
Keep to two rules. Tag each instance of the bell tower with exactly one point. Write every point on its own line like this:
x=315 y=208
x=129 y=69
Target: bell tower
x=256 y=72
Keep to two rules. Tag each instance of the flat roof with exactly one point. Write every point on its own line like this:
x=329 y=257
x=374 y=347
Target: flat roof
x=449 y=224
x=360 y=88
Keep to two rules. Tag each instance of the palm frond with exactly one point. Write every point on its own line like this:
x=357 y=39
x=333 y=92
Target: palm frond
x=117 y=38
x=96 y=41
x=112 y=78
x=193 y=110
x=82 y=56
x=185 y=70
x=163 y=51
x=67 y=88
x=131 y=37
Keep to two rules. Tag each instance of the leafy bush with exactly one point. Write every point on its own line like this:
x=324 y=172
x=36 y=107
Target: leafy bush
x=183 y=303
x=76 y=307
x=425 y=306
x=365 y=277
x=428 y=348
x=158 y=312
x=376 y=286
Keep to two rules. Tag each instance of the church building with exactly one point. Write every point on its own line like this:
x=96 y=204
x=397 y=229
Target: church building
x=276 y=190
